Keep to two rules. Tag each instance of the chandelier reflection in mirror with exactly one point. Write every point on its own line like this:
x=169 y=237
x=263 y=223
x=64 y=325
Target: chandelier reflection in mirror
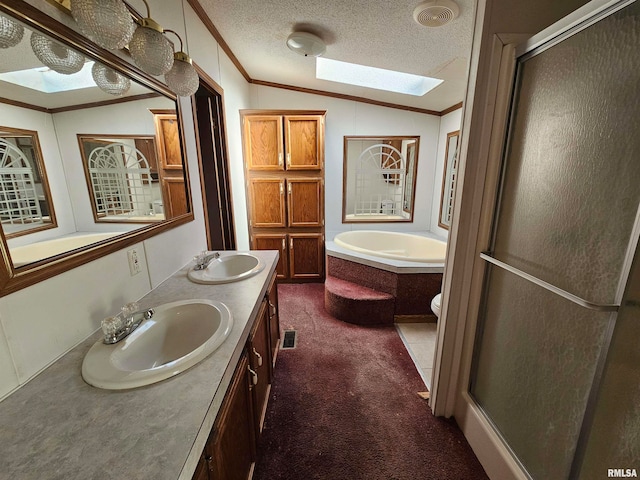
x=11 y=32
x=111 y=24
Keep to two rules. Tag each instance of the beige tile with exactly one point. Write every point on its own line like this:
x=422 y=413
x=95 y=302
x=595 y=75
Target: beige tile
x=423 y=354
x=417 y=332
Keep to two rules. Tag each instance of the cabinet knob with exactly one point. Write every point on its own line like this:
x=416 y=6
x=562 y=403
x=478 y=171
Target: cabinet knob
x=210 y=463
x=258 y=356
x=254 y=376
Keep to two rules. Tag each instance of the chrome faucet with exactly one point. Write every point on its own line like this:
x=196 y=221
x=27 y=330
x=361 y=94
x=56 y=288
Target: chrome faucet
x=203 y=260
x=118 y=327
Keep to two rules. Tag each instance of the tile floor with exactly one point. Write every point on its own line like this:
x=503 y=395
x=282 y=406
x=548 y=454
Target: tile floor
x=420 y=341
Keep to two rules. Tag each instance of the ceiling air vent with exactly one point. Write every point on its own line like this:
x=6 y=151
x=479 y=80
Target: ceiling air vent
x=435 y=13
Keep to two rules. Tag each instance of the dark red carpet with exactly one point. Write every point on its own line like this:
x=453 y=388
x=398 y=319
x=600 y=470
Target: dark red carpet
x=344 y=406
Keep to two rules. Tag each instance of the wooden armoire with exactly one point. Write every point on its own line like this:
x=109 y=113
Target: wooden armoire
x=284 y=171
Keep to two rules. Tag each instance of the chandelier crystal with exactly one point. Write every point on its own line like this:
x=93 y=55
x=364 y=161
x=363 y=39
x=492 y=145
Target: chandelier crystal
x=110 y=81
x=149 y=48
x=11 y=32
x=107 y=22
x=56 y=56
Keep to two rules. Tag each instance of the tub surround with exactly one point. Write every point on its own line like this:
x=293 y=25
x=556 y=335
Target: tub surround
x=370 y=290
x=61 y=428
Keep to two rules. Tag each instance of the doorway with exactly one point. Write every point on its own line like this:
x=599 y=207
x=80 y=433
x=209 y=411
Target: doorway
x=208 y=108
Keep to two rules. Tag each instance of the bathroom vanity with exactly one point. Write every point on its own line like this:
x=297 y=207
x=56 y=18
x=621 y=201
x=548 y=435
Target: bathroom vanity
x=203 y=423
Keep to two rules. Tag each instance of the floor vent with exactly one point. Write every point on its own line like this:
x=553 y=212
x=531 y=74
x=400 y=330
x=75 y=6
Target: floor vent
x=290 y=339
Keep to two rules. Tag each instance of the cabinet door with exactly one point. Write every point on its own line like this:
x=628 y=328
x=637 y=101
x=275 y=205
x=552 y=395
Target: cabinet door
x=304 y=139
x=306 y=255
x=168 y=141
x=175 y=197
x=274 y=319
x=263 y=146
x=267 y=202
x=273 y=241
x=305 y=199
x=259 y=354
x=230 y=450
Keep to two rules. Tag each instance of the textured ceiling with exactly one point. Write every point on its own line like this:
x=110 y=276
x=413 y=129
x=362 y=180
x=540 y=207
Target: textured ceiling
x=378 y=33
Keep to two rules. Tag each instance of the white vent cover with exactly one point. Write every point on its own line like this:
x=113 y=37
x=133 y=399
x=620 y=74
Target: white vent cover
x=435 y=13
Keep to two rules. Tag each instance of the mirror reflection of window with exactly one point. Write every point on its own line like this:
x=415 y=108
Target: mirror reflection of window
x=449 y=178
x=25 y=200
x=379 y=177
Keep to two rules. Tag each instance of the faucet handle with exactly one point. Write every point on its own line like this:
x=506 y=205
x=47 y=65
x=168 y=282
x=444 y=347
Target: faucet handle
x=127 y=314
x=111 y=327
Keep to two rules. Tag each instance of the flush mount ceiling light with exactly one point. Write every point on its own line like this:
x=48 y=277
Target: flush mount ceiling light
x=436 y=13
x=106 y=22
x=56 y=56
x=10 y=32
x=182 y=78
x=307 y=44
x=110 y=81
x=372 y=77
x=149 y=48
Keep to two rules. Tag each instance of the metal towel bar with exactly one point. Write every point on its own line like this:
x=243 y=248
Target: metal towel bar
x=599 y=307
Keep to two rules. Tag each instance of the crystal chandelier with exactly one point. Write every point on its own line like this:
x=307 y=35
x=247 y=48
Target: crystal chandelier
x=149 y=48
x=182 y=78
x=110 y=81
x=10 y=32
x=107 y=22
x=56 y=56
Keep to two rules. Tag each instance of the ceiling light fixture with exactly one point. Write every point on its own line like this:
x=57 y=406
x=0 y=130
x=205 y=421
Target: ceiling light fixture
x=107 y=22
x=56 y=56
x=110 y=81
x=306 y=44
x=182 y=78
x=11 y=32
x=149 y=48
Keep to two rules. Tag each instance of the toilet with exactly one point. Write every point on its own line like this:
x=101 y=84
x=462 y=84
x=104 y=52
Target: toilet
x=435 y=305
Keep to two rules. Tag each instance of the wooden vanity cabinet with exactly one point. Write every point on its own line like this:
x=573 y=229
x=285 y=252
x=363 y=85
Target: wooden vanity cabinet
x=230 y=451
x=274 y=318
x=259 y=353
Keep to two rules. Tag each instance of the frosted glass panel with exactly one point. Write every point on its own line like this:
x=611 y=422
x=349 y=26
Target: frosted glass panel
x=614 y=441
x=537 y=358
x=573 y=169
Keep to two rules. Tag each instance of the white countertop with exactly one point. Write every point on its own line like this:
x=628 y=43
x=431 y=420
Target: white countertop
x=59 y=427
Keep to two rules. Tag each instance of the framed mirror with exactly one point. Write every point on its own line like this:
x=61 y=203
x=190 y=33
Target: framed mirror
x=25 y=198
x=379 y=178
x=58 y=106
x=449 y=179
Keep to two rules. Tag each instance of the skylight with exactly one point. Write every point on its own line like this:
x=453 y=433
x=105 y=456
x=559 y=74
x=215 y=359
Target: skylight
x=371 y=77
x=46 y=80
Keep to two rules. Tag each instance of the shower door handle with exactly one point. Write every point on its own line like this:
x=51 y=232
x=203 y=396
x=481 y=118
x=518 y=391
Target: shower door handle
x=598 y=307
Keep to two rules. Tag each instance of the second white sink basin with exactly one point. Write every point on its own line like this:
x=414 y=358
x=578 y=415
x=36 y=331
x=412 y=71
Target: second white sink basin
x=230 y=267
x=178 y=336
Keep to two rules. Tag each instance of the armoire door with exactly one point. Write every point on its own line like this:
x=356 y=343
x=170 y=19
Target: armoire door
x=306 y=255
x=263 y=142
x=267 y=202
x=274 y=241
x=305 y=202
x=304 y=140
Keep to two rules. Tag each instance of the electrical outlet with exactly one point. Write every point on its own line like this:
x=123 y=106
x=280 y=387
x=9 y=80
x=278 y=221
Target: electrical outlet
x=134 y=262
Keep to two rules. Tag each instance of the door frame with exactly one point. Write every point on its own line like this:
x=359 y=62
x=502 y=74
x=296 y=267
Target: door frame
x=223 y=194
x=471 y=229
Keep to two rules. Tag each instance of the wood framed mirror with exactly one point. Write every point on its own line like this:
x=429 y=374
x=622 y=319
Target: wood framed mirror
x=77 y=235
x=379 y=178
x=449 y=177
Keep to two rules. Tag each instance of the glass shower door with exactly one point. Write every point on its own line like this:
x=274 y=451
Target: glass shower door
x=565 y=231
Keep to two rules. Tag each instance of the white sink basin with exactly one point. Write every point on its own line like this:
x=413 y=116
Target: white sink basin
x=178 y=336
x=230 y=267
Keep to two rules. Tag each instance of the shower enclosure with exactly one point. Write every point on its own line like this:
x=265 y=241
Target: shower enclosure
x=556 y=367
